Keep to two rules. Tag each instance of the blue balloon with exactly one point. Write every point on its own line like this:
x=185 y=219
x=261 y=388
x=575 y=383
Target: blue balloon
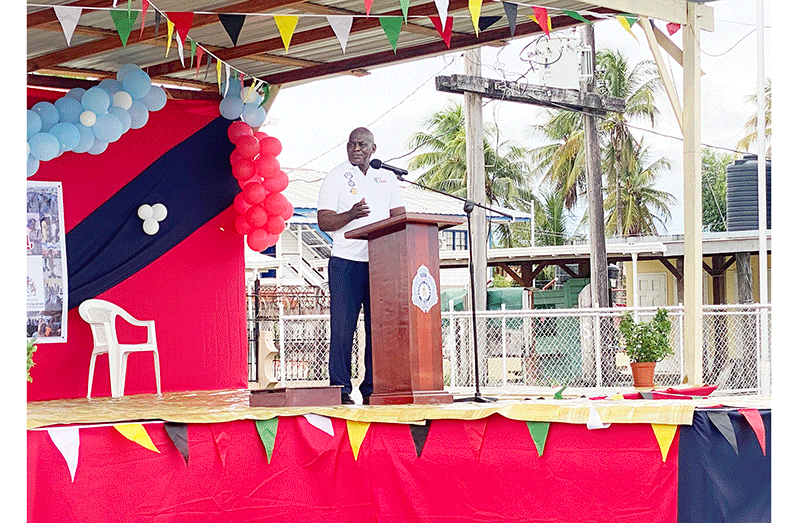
x=108 y=128
x=34 y=123
x=76 y=93
x=44 y=146
x=110 y=85
x=138 y=114
x=48 y=113
x=98 y=147
x=69 y=109
x=96 y=100
x=123 y=116
x=33 y=165
x=86 y=139
x=120 y=74
x=137 y=84
x=67 y=135
x=155 y=99
x=253 y=115
x=231 y=107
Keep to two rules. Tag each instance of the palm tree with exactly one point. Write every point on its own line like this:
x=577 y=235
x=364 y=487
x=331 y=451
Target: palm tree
x=563 y=160
x=750 y=139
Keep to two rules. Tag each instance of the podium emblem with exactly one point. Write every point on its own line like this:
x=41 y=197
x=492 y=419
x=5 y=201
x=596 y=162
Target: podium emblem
x=425 y=292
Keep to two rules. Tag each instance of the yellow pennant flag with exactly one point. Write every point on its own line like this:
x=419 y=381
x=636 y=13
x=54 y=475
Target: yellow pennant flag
x=219 y=73
x=135 y=432
x=548 y=22
x=627 y=22
x=475 y=7
x=357 y=433
x=664 y=435
x=170 y=28
x=618 y=396
x=286 y=25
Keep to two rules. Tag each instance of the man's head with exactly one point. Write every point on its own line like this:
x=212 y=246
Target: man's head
x=360 y=147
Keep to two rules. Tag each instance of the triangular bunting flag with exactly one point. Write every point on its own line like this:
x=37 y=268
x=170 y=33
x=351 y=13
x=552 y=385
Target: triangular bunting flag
x=157 y=22
x=286 y=25
x=200 y=53
x=67 y=441
x=180 y=52
x=755 y=420
x=178 y=433
x=145 y=4
x=627 y=22
x=419 y=434
x=222 y=441
x=266 y=94
x=723 y=424
x=367 y=5
x=182 y=21
x=646 y=395
x=357 y=433
x=219 y=74
x=673 y=27
x=487 y=21
x=539 y=430
x=136 y=433
x=123 y=21
x=542 y=18
x=232 y=24
x=341 y=25
x=594 y=420
x=226 y=78
x=617 y=396
x=170 y=29
x=193 y=52
x=558 y=394
x=511 y=12
x=404 y=5
x=664 y=435
x=322 y=423
x=68 y=16
x=445 y=32
x=475 y=430
x=391 y=25
x=577 y=16
x=475 y=8
x=267 y=430
x=443 y=8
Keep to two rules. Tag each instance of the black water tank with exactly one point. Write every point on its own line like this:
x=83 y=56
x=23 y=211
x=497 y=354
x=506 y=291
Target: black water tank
x=742 y=194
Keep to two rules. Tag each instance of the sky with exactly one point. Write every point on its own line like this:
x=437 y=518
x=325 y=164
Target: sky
x=313 y=120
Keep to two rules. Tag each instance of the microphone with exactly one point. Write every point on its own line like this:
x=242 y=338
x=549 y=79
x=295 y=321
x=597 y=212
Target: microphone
x=376 y=164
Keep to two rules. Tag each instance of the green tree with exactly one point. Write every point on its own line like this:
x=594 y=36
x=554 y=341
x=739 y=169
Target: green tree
x=751 y=137
x=713 y=189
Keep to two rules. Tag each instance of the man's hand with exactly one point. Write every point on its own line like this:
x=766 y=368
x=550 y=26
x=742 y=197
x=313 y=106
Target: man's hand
x=359 y=210
x=332 y=221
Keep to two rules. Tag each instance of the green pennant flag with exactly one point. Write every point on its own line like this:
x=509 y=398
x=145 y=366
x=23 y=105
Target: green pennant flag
x=124 y=20
x=267 y=430
x=405 y=5
x=266 y=93
x=577 y=16
x=539 y=430
x=193 y=52
x=391 y=25
x=558 y=394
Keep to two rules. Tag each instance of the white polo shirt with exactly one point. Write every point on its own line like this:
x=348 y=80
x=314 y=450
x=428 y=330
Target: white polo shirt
x=344 y=186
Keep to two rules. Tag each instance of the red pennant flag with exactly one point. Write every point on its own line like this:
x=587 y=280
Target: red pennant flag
x=242 y=81
x=182 y=21
x=145 y=4
x=755 y=420
x=673 y=27
x=542 y=17
x=200 y=52
x=445 y=32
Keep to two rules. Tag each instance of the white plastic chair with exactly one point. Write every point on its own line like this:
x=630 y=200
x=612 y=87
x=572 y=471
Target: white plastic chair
x=101 y=316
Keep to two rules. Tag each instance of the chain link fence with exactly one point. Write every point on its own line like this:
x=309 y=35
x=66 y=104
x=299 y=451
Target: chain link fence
x=546 y=348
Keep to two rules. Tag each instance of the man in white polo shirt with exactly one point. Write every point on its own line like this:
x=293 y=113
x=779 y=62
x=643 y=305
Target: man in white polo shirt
x=353 y=195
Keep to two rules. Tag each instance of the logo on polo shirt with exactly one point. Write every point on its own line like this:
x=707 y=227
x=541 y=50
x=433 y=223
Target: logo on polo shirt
x=380 y=180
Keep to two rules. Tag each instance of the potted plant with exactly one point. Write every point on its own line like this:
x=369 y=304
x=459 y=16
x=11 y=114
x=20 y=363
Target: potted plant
x=646 y=343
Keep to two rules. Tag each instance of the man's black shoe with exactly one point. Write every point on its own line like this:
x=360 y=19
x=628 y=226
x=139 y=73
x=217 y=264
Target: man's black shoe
x=366 y=400
x=346 y=400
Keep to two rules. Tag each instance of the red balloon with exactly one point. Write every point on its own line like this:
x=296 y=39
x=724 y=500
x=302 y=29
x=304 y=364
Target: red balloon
x=243 y=169
x=234 y=157
x=241 y=225
x=276 y=183
x=267 y=166
x=254 y=193
x=275 y=225
x=256 y=216
x=237 y=130
x=275 y=203
x=271 y=239
x=257 y=240
x=260 y=135
x=248 y=146
x=253 y=179
x=288 y=213
x=271 y=146
x=240 y=204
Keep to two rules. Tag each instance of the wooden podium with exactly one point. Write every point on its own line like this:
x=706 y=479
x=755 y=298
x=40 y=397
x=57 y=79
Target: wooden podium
x=404 y=282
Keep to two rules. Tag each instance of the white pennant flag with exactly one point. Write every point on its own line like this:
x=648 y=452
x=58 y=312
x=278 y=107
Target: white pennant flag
x=341 y=25
x=226 y=78
x=594 y=420
x=68 y=16
x=443 y=10
x=67 y=440
x=322 y=423
x=180 y=49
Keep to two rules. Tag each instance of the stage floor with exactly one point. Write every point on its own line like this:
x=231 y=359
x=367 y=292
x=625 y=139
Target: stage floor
x=515 y=404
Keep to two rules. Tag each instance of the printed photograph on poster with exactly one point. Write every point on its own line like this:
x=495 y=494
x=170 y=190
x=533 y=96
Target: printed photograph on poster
x=46 y=257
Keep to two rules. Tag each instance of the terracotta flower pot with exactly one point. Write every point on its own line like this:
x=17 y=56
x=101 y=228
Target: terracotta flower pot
x=643 y=373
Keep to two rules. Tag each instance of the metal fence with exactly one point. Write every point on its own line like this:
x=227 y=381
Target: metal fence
x=547 y=347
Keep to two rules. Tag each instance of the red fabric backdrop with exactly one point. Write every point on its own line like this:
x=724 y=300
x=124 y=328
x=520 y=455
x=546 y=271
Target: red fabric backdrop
x=195 y=292
x=614 y=474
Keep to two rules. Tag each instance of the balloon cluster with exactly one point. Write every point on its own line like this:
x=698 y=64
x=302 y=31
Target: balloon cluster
x=242 y=102
x=87 y=120
x=262 y=207
x=152 y=214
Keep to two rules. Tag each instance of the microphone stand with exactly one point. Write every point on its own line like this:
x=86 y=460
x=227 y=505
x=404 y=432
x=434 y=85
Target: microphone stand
x=468 y=206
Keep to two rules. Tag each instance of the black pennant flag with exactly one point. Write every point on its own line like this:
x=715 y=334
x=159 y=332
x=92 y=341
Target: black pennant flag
x=487 y=21
x=419 y=433
x=723 y=424
x=232 y=24
x=178 y=433
x=511 y=10
x=157 y=22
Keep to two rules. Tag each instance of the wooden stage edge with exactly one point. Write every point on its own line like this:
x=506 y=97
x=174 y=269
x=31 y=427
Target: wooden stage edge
x=530 y=404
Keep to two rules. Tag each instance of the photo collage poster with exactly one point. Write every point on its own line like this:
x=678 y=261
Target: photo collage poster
x=47 y=267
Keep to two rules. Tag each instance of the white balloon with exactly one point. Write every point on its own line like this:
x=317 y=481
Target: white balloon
x=151 y=226
x=88 y=118
x=145 y=212
x=159 y=211
x=123 y=99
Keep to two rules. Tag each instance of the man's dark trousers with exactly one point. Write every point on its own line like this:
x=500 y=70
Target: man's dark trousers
x=349 y=290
